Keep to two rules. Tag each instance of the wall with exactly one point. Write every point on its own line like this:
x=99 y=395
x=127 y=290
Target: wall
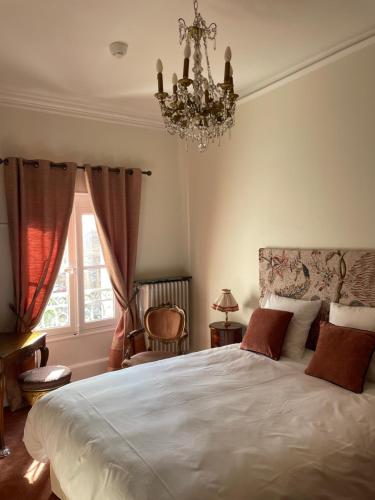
x=298 y=171
x=162 y=239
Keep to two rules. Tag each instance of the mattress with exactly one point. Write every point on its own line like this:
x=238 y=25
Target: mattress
x=220 y=424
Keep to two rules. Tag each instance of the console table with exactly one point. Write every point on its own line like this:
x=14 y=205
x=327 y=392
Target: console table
x=14 y=348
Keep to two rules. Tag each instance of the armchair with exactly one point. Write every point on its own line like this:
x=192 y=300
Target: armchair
x=162 y=324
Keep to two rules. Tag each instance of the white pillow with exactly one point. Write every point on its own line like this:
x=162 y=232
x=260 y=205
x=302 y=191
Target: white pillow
x=362 y=318
x=359 y=317
x=304 y=313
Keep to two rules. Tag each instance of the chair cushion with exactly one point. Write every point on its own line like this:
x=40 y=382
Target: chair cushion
x=46 y=377
x=164 y=323
x=146 y=357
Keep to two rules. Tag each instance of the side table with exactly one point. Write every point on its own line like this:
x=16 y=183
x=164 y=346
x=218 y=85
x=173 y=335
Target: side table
x=222 y=334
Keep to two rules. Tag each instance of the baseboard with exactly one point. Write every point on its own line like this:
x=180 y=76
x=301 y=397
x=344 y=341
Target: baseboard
x=89 y=368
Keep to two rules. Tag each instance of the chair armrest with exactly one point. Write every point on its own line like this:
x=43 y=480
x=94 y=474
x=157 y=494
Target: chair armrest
x=134 y=333
x=185 y=334
x=130 y=336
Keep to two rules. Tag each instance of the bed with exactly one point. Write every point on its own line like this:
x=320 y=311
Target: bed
x=220 y=424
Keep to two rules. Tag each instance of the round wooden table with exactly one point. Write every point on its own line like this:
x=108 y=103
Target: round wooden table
x=222 y=334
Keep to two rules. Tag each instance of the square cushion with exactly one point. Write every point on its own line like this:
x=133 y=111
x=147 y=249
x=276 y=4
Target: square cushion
x=359 y=317
x=342 y=356
x=266 y=332
x=304 y=313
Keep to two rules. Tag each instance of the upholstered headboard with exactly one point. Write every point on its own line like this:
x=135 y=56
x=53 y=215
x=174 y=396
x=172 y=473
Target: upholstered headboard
x=345 y=276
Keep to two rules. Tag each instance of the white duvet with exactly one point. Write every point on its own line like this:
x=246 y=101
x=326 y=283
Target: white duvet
x=220 y=424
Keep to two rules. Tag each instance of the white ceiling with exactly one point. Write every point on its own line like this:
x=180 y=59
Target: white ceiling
x=54 y=53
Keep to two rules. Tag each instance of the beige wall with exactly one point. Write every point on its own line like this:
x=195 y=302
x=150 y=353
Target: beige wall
x=162 y=240
x=299 y=171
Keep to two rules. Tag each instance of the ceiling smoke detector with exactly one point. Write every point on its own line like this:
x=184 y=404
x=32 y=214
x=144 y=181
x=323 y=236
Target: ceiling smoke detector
x=118 y=49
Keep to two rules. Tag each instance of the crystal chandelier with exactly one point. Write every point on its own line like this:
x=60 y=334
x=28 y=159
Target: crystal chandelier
x=198 y=109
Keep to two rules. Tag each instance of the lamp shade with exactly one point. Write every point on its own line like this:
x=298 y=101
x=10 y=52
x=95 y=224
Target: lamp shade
x=225 y=302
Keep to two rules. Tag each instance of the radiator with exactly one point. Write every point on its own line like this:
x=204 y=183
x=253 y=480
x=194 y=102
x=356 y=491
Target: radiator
x=156 y=292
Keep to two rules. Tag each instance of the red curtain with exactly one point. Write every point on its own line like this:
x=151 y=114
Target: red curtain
x=116 y=196
x=39 y=202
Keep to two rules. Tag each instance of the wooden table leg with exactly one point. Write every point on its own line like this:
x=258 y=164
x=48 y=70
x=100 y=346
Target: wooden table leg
x=44 y=353
x=4 y=451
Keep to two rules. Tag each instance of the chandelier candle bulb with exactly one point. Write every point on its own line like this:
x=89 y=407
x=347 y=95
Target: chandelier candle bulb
x=187 y=55
x=159 y=69
x=227 y=58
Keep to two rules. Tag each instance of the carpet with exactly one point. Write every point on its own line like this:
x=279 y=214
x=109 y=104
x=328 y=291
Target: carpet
x=21 y=478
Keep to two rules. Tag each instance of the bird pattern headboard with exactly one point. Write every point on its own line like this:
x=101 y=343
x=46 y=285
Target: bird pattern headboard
x=345 y=276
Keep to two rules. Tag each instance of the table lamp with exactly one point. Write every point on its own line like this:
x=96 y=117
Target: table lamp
x=225 y=303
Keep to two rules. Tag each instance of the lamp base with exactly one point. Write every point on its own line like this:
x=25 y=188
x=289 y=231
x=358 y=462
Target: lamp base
x=226 y=322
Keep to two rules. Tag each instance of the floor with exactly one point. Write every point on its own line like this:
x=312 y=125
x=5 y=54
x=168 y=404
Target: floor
x=21 y=478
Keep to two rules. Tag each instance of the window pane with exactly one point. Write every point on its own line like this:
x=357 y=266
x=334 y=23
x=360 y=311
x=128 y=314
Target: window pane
x=57 y=313
x=92 y=252
x=99 y=303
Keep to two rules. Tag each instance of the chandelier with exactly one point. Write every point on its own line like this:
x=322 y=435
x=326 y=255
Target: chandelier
x=198 y=109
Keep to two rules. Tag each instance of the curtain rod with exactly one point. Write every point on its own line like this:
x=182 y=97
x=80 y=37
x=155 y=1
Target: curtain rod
x=81 y=167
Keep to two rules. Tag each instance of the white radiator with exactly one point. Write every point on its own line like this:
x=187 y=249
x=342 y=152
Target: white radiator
x=155 y=293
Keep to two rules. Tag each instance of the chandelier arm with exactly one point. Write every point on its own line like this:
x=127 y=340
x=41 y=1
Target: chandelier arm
x=212 y=32
x=182 y=30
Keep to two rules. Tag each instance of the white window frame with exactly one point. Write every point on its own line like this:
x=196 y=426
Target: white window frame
x=78 y=326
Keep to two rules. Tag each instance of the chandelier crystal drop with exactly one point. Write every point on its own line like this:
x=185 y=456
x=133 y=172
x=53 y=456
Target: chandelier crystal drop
x=198 y=109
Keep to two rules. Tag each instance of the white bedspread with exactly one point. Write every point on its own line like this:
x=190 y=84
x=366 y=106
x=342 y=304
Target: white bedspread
x=218 y=424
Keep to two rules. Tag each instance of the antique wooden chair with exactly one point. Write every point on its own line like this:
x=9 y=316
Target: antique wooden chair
x=163 y=324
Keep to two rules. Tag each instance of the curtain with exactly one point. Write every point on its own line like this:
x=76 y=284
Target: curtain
x=116 y=196
x=39 y=203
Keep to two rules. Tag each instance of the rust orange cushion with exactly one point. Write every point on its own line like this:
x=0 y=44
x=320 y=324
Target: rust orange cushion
x=342 y=356
x=266 y=332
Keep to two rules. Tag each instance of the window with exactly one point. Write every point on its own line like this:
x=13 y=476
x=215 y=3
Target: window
x=82 y=298
x=98 y=294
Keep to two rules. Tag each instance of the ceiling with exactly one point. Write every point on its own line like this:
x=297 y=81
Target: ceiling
x=54 y=53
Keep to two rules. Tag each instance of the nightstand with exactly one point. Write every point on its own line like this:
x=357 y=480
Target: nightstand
x=224 y=335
